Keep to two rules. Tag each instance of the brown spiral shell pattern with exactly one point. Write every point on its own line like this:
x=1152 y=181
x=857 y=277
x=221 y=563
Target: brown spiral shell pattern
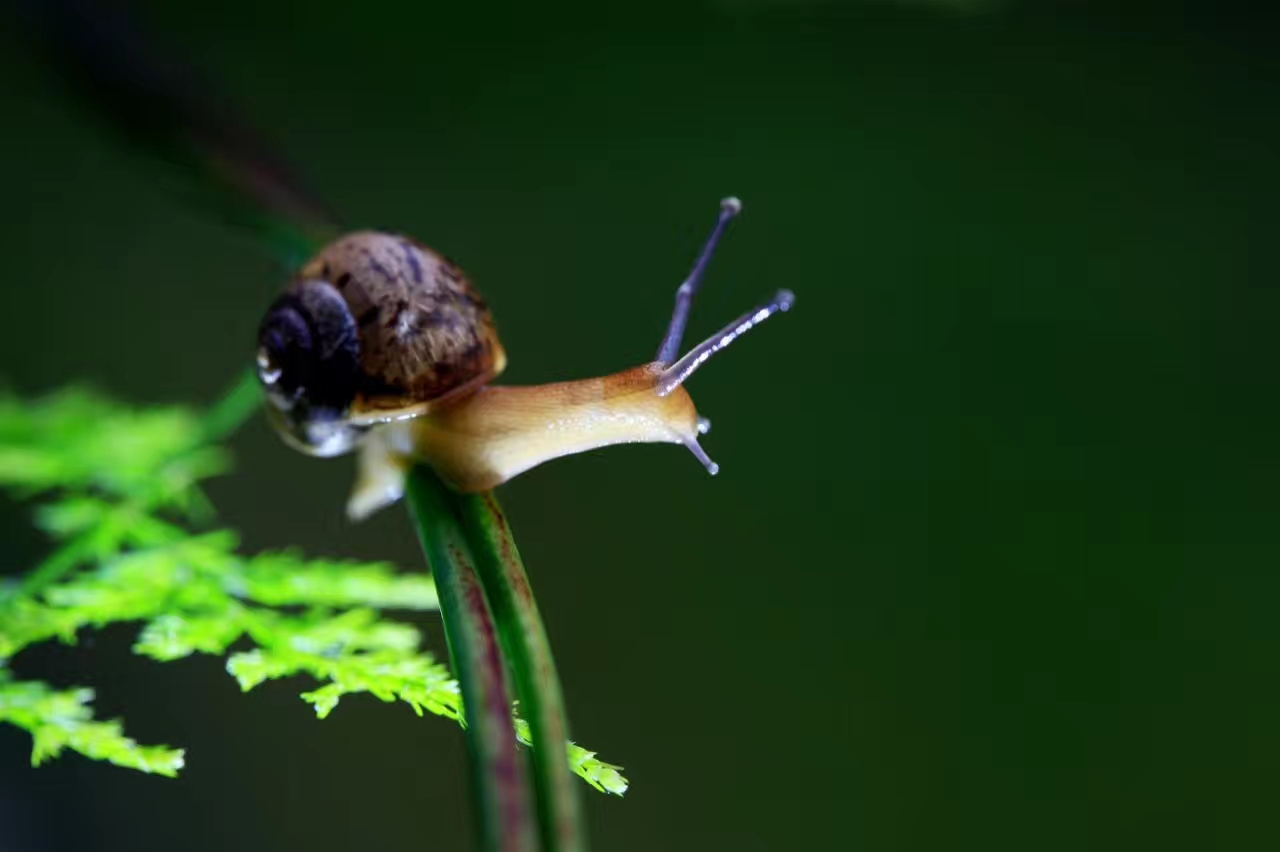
x=424 y=332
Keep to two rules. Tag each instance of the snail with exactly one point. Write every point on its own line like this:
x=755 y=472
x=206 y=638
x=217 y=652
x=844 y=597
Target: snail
x=381 y=346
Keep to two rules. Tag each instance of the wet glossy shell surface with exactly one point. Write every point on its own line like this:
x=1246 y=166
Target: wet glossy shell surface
x=424 y=332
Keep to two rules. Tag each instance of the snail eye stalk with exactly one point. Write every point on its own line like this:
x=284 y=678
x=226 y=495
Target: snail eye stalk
x=677 y=370
x=670 y=348
x=675 y=374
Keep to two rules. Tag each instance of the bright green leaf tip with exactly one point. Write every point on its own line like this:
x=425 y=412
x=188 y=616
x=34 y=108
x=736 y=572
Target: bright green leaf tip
x=59 y=720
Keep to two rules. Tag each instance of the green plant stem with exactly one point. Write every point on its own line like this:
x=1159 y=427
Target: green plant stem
x=500 y=785
x=528 y=653
x=236 y=405
x=48 y=572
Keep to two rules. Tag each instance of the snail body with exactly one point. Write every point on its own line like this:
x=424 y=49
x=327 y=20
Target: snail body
x=381 y=346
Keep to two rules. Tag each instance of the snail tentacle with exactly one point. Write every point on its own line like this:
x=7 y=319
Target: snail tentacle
x=675 y=375
x=670 y=348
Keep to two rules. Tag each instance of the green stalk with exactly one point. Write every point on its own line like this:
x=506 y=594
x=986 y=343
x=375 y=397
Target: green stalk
x=528 y=653
x=51 y=570
x=233 y=408
x=500 y=786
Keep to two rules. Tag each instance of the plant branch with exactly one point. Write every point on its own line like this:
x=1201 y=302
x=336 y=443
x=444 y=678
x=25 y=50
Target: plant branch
x=501 y=789
x=528 y=654
x=236 y=405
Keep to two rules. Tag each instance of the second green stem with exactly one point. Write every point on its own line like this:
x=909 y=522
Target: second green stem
x=528 y=654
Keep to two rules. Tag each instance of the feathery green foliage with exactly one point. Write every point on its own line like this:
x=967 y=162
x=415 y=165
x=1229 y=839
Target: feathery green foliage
x=122 y=498
x=58 y=720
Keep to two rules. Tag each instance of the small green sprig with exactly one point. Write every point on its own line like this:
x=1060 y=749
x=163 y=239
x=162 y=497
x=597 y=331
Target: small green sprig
x=63 y=719
x=122 y=504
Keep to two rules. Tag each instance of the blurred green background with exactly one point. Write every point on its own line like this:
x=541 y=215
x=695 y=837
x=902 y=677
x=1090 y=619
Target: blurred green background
x=991 y=562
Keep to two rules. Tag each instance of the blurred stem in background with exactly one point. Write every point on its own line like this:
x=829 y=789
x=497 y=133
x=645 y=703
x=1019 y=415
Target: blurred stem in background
x=235 y=406
x=163 y=108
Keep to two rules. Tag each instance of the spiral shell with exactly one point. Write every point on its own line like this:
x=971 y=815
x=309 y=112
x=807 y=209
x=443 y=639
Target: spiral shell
x=424 y=332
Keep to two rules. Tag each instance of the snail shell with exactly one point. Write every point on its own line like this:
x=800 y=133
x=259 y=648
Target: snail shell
x=424 y=333
x=375 y=327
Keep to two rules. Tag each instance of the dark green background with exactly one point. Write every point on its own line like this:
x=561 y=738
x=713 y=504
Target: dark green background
x=991 y=562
